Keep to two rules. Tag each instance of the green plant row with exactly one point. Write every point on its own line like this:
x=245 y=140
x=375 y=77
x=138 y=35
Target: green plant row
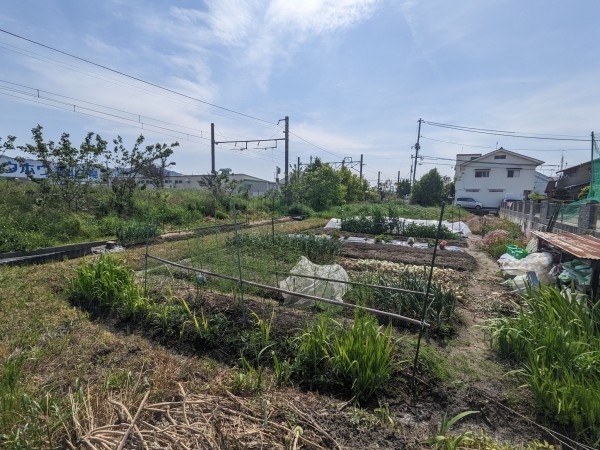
x=440 y=309
x=318 y=249
x=379 y=220
x=556 y=339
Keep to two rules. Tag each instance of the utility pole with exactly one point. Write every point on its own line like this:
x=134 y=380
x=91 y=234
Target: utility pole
x=417 y=147
x=287 y=147
x=378 y=181
x=212 y=148
x=398 y=177
x=361 y=166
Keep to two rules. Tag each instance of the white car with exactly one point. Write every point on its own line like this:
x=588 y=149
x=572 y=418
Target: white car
x=468 y=203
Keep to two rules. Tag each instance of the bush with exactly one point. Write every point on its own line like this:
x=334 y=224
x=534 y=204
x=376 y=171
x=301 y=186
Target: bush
x=300 y=209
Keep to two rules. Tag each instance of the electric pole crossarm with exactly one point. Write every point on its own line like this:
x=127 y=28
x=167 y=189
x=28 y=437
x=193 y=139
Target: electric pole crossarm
x=248 y=141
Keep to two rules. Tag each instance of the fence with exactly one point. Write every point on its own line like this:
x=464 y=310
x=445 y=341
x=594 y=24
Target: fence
x=535 y=215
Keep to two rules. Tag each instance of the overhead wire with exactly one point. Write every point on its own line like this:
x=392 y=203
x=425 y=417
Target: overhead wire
x=513 y=134
x=511 y=149
x=172 y=91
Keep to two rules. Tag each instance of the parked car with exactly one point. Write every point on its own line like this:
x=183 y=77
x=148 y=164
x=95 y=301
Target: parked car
x=468 y=203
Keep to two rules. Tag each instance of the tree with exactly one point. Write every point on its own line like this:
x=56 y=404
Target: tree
x=428 y=190
x=128 y=165
x=157 y=171
x=355 y=188
x=403 y=187
x=322 y=186
x=69 y=171
x=8 y=144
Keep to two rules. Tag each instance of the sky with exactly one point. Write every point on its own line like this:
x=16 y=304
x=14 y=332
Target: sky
x=354 y=77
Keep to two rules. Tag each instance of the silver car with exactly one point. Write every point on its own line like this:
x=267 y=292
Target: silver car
x=468 y=203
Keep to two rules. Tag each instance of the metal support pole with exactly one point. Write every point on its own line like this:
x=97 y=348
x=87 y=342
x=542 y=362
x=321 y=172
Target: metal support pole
x=212 y=148
x=426 y=299
x=287 y=148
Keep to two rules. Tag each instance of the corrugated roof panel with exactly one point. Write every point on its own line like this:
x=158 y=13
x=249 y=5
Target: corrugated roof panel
x=583 y=247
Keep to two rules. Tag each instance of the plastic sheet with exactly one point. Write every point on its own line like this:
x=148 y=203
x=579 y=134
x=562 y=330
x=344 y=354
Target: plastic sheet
x=319 y=288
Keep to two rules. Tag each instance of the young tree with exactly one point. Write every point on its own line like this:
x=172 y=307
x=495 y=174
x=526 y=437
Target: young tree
x=403 y=187
x=8 y=144
x=428 y=190
x=158 y=170
x=69 y=171
x=128 y=165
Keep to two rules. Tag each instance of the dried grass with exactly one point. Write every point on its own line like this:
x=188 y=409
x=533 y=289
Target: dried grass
x=200 y=421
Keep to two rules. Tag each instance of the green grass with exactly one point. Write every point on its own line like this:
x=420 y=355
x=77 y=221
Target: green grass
x=556 y=339
x=357 y=356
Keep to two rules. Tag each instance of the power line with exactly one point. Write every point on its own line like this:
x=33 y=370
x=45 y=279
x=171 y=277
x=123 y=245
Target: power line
x=137 y=115
x=511 y=149
x=504 y=133
x=172 y=91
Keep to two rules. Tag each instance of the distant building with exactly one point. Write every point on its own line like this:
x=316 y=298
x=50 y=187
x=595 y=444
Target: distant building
x=245 y=183
x=573 y=179
x=497 y=176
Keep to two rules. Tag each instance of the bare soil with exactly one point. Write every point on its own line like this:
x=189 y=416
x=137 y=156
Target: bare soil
x=456 y=260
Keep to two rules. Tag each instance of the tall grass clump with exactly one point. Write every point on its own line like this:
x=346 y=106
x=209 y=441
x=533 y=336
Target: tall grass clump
x=130 y=233
x=556 y=339
x=110 y=284
x=358 y=357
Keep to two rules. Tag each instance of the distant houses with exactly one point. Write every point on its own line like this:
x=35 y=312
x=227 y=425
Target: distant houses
x=572 y=180
x=496 y=176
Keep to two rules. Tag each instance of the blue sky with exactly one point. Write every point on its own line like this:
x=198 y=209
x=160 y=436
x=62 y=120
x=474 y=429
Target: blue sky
x=354 y=76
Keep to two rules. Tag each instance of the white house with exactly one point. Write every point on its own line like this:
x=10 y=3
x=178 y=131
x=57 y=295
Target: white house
x=495 y=176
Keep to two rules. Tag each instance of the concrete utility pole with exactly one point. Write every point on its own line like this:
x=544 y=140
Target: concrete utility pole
x=361 y=166
x=417 y=148
x=212 y=148
x=287 y=147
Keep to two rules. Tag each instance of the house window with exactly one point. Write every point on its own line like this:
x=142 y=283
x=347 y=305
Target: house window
x=482 y=173
x=513 y=173
x=496 y=190
x=499 y=156
x=472 y=190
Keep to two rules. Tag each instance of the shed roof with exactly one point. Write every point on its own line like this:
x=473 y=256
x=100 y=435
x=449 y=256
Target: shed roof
x=583 y=247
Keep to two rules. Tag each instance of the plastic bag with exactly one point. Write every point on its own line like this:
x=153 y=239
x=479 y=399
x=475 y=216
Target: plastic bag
x=540 y=263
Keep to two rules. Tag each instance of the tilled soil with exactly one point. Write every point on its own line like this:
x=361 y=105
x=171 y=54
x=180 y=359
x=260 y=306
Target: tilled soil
x=457 y=260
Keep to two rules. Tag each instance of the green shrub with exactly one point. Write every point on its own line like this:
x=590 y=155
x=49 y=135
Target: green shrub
x=300 y=209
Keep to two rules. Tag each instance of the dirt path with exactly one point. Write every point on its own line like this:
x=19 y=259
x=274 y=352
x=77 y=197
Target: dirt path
x=481 y=371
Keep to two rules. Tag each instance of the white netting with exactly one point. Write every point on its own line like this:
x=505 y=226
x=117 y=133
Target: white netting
x=319 y=288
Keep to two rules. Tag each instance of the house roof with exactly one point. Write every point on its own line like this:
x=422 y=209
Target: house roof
x=537 y=162
x=568 y=169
